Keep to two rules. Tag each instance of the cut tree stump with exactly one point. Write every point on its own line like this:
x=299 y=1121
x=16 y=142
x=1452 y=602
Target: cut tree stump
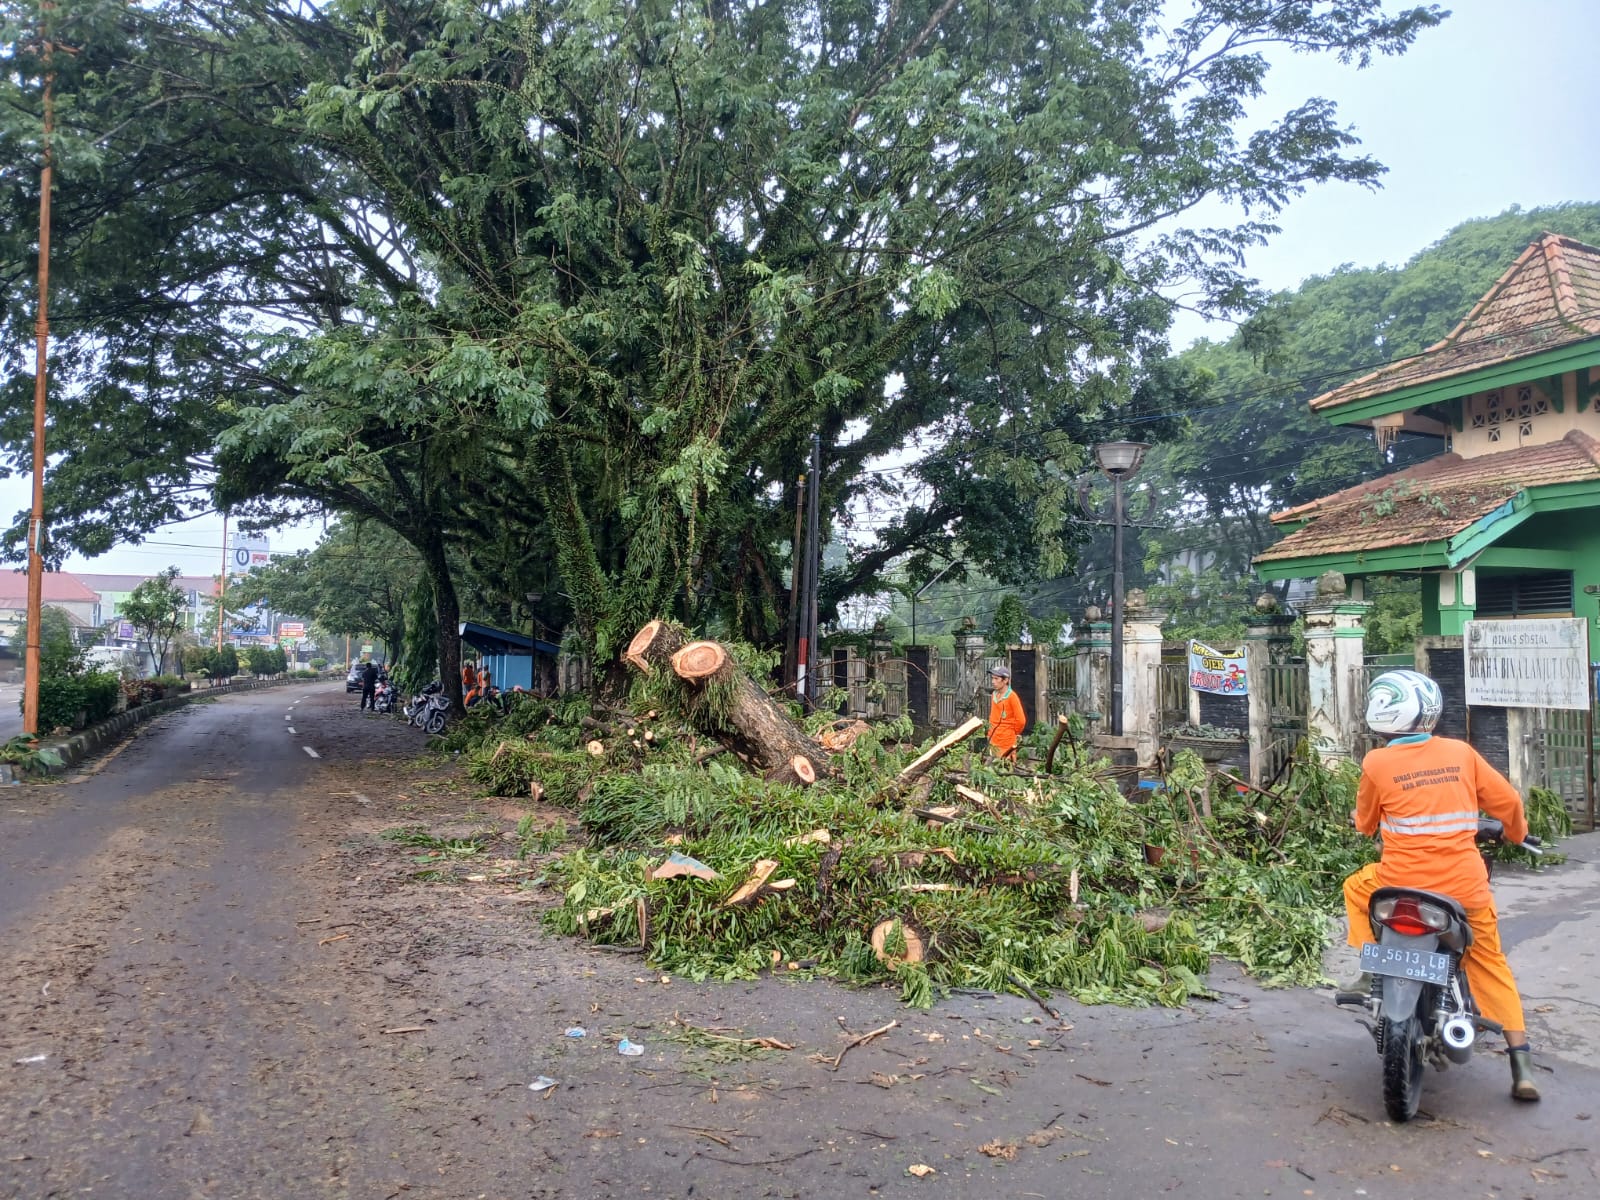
x=745 y=718
x=916 y=950
x=656 y=643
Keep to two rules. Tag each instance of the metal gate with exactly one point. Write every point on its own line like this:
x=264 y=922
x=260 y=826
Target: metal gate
x=944 y=693
x=1563 y=759
x=1288 y=694
x=1172 y=694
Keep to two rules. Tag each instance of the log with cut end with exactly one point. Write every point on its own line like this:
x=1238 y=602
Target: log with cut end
x=798 y=772
x=939 y=749
x=656 y=643
x=744 y=718
x=699 y=662
x=883 y=931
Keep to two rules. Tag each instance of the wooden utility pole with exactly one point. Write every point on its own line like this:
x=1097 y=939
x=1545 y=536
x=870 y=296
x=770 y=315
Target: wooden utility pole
x=30 y=662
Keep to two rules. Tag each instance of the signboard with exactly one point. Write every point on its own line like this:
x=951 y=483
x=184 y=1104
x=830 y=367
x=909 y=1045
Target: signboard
x=1528 y=664
x=292 y=629
x=1218 y=671
x=366 y=647
x=246 y=551
x=126 y=631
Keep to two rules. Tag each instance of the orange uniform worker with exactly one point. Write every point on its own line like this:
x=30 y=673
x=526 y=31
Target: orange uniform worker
x=1006 y=718
x=1423 y=793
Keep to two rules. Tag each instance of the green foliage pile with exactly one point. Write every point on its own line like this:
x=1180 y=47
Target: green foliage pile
x=1000 y=911
x=1059 y=884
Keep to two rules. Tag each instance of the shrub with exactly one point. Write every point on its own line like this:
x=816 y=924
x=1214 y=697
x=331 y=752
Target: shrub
x=61 y=699
x=318 y=664
x=303 y=674
x=101 y=689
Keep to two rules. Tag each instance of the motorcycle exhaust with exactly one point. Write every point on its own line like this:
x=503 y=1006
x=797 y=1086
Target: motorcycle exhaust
x=1458 y=1036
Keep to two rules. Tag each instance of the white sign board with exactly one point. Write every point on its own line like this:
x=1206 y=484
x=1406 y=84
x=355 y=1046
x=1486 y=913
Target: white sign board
x=292 y=629
x=1528 y=664
x=246 y=551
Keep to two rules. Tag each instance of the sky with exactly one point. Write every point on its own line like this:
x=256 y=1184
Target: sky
x=1487 y=111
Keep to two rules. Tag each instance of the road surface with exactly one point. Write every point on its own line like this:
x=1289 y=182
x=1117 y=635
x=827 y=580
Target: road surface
x=222 y=981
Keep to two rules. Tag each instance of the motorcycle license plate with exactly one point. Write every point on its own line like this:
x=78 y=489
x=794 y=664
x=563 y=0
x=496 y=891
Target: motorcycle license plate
x=1406 y=964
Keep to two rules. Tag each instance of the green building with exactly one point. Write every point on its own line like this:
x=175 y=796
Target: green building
x=1504 y=522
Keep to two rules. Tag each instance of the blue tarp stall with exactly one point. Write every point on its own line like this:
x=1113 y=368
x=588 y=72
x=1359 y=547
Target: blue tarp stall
x=513 y=659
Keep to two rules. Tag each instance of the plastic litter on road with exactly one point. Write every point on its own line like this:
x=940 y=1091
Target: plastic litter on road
x=577 y=1031
x=542 y=1084
x=629 y=1049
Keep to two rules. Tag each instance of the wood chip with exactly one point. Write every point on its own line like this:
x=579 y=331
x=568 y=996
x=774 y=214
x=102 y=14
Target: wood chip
x=407 y=1029
x=920 y=1170
x=338 y=937
x=999 y=1149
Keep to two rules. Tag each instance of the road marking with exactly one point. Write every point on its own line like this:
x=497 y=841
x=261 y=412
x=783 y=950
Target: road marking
x=288 y=716
x=310 y=751
x=291 y=729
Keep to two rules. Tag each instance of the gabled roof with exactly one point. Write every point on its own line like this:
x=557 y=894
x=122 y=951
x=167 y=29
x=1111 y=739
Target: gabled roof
x=1432 y=501
x=1548 y=299
x=57 y=587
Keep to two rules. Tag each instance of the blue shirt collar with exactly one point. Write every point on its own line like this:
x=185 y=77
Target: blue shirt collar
x=1410 y=739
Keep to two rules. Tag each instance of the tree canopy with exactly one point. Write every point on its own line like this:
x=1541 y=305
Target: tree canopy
x=579 y=282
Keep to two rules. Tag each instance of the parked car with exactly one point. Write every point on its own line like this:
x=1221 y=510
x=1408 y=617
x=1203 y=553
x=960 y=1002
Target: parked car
x=352 y=681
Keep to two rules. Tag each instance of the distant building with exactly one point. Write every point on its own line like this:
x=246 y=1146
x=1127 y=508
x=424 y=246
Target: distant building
x=61 y=589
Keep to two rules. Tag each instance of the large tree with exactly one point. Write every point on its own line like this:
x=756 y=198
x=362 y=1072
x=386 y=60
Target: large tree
x=590 y=276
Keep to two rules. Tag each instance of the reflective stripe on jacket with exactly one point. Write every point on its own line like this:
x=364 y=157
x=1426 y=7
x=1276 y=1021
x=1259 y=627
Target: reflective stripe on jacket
x=1424 y=797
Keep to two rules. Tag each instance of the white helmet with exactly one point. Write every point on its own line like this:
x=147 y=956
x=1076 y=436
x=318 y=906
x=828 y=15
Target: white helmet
x=1401 y=702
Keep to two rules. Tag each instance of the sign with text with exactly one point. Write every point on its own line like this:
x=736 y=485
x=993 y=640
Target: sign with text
x=1528 y=664
x=1218 y=671
x=292 y=629
x=246 y=551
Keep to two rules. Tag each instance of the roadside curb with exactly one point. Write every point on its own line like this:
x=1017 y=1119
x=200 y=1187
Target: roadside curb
x=76 y=747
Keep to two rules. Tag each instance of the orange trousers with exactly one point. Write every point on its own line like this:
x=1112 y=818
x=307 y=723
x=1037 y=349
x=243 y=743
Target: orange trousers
x=1488 y=973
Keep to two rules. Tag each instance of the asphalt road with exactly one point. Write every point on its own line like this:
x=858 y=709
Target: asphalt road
x=219 y=981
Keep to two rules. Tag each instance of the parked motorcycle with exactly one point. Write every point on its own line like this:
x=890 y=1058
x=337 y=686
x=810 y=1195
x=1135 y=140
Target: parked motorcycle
x=383 y=696
x=415 y=710
x=1421 y=1003
x=429 y=709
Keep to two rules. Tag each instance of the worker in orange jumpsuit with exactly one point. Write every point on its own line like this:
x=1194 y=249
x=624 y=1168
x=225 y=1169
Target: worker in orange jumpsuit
x=1006 y=718
x=1423 y=793
x=469 y=681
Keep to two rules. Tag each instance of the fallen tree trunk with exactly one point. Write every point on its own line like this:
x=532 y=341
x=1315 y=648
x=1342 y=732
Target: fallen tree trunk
x=730 y=705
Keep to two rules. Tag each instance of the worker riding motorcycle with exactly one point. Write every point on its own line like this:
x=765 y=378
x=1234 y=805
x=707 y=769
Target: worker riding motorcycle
x=1433 y=973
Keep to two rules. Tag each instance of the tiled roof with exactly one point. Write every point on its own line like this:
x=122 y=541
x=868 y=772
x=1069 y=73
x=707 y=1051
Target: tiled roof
x=1431 y=501
x=1548 y=298
x=57 y=587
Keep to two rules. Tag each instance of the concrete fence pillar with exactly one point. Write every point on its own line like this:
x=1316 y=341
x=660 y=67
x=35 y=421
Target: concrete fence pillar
x=1141 y=684
x=1335 y=709
x=970 y=680
x=1094 y=671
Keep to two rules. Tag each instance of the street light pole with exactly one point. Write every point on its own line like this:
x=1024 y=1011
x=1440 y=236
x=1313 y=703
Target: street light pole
x=1118 y=461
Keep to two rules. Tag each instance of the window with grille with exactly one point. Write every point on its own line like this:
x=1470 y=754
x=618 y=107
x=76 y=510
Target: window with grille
x=1535 y=593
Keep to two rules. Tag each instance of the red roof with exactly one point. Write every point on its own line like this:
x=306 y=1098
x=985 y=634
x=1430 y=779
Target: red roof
x=1431 y=501
x=1547 y=299
x=59 y=587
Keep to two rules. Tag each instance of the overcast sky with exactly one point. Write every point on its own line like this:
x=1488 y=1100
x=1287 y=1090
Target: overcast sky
x=1492 y=109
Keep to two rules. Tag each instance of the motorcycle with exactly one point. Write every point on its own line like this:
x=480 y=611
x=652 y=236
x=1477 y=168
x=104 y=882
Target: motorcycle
x=1421 y=1003
x=429 y=708
x=383 y=696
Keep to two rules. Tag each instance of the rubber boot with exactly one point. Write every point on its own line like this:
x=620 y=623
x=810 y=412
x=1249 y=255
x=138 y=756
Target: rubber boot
x=1522 y=1085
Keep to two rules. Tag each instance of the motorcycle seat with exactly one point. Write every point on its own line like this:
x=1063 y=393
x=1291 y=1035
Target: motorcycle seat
x=1458 y=937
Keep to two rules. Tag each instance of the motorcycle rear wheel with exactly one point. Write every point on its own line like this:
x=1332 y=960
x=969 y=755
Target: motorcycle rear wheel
x=1402 y=1068
x=435 y=723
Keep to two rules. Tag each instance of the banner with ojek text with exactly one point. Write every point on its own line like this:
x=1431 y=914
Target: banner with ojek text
x=1217 y=671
